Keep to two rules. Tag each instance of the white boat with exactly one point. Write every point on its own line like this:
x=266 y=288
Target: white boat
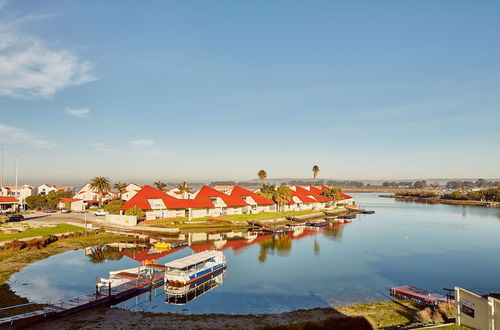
x=194 y=267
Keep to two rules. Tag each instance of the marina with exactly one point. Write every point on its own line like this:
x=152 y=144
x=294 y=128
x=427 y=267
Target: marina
x=359 y=257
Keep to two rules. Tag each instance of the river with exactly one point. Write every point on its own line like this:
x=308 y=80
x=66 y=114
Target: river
x=424 y=245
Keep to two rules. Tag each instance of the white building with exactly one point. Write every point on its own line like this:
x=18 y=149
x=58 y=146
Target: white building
x=130 y=191
x=91 y=196
x=19 y=192
x=45 y=189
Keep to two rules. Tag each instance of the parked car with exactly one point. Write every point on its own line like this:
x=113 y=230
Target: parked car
x=49 y=211
x=15 y=217
x=99 y=213
x=65 y=211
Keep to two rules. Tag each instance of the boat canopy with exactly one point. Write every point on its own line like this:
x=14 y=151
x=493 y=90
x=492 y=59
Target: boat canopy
x=193 y=259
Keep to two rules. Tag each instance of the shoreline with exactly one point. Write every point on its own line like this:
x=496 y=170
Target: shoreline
x=387 y=314
x=434 y=200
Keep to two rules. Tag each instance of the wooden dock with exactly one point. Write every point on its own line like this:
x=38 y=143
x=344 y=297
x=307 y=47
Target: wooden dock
x=104 y=295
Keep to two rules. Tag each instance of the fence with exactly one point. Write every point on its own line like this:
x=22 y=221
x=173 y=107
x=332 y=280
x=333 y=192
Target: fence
x=477 y=312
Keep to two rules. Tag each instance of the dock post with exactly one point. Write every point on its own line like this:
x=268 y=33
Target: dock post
x=109 y=288
x=96 y=286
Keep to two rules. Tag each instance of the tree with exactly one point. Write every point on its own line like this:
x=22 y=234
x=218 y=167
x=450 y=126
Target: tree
x=267 y=190
x=184 y=189
x=315 y=173
x=120 y=188
x=282 y=195
x=135 y=211
x=332 y=193
x=101 y=184
x=262 y=176
x=114 y=207
x=161 y=186
x=36 y=202
x=420 y=184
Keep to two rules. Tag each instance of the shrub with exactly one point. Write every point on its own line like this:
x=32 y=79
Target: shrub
x=14 y=245
x=135 y=211
x=448 y=310
x=425 y=315
x=436 y=316
x=113 y=207
x=35 y=244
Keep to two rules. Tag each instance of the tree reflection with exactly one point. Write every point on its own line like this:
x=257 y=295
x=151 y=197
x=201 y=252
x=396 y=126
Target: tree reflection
x=99 y=254
x=316 y=247
x=280 y=243
x=334 y=232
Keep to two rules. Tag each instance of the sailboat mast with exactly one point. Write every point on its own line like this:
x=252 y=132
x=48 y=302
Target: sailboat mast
x=17 y=169
x=1 y=168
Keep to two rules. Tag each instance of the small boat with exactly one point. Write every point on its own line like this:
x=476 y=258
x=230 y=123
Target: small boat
x=276 y=230
x=317 y=223
x=347 y=217
x=368 y=212
x=194 y=267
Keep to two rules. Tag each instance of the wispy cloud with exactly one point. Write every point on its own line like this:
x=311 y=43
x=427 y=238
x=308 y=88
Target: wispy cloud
x=82 y=113
x=31 y=67
x=15 y=135
x=149 y=147
x=142 y=143
x=102 y=147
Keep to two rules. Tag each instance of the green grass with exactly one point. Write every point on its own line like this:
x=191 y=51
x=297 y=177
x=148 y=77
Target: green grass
x=44 y=231
x=230 y=218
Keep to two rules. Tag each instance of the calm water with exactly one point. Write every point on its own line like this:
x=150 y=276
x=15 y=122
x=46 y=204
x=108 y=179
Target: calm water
x=427 y=246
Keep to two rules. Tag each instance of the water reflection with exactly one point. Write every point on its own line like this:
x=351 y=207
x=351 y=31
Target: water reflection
x=427 y=246
x=181 y=295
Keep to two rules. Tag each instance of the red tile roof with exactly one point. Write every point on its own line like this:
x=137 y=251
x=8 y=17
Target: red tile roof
x=318 y=197
x=302 y=196
x=69 y=200
x=206 y=192
x=239 y=192
x=8 y=199
x=140 y=199
x=344 y=196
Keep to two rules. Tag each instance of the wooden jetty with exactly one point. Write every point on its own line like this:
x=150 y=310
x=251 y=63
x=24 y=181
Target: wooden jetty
x=105 y=295
x=270 y=229
x=418 y=295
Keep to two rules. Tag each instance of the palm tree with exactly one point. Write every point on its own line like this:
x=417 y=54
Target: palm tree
x=101 y=184
x=184 y=189
x=315 y=173
x=161 y=186
x=262 y=176
x=120 y=188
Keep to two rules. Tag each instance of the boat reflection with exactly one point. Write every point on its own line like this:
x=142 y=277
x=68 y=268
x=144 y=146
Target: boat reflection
x=181 y=295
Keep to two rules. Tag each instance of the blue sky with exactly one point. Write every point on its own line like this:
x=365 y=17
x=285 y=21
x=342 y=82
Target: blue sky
x=210 y=90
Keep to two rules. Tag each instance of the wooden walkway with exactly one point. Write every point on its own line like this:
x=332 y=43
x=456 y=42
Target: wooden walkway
x=105 y=295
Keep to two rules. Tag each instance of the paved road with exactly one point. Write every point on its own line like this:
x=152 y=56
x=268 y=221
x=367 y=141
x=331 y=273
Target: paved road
x=55 y=218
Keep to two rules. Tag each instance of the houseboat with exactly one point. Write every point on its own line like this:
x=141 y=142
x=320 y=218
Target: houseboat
x=194 y=267
x=181 y=295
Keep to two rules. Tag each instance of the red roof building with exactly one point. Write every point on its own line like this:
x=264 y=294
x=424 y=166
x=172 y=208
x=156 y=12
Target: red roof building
x=242 y=193
x=314 y=194
x=206 y=196
x=148 y=195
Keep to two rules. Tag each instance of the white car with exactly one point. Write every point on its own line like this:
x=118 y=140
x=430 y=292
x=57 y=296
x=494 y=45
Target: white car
x=99 y=213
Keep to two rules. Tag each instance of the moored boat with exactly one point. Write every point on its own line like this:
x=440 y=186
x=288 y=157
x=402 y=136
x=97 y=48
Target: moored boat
x=194 y=267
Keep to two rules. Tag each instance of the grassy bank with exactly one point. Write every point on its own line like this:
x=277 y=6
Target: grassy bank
x=44 y=231
x=13 y=261
x=239 y=219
